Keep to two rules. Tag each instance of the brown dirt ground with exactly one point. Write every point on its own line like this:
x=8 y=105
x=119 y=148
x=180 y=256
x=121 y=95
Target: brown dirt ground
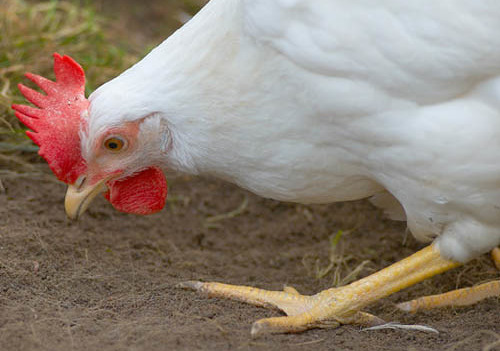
x=108 y=281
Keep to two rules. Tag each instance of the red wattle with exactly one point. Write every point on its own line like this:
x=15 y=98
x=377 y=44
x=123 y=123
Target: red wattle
x=143 y=193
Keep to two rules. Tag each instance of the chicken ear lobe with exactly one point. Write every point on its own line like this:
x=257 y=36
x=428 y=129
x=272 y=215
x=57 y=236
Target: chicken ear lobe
x=56 y=123
x=142 y=193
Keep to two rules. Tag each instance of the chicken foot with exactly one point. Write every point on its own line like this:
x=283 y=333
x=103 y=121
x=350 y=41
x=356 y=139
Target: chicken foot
x=458 y=297
x=332 y=307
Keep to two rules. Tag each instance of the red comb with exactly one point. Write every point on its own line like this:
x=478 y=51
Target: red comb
x=56 y=123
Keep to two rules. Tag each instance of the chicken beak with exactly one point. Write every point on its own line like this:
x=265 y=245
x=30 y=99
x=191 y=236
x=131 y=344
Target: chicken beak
x=78 y=198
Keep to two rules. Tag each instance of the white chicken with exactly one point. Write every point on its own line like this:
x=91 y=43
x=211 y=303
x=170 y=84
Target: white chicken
x=310 y=102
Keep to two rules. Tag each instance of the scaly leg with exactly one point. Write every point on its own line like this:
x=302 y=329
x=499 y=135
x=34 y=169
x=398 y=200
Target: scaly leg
x=495 y=255
x=459 y=297
x=335 y=306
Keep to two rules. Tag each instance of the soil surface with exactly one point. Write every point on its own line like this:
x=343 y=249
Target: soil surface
x=108 y=281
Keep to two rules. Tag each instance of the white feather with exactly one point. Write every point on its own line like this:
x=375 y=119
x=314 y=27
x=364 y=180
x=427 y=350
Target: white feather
x=333 y=100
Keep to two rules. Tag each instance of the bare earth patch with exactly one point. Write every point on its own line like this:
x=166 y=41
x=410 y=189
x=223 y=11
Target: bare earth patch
x=108 y=281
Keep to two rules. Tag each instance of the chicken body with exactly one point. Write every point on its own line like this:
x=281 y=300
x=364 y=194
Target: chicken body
x=324 y=101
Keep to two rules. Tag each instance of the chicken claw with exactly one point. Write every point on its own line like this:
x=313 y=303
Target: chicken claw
x=333 y=307
x=459 y=297
x=302 y=310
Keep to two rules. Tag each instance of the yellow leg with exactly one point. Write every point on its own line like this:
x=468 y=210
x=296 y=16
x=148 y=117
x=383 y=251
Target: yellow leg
x=335 y=306
x=459 y=297
x=495 y=255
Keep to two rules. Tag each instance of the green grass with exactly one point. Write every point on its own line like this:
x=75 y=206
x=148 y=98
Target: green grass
x=29 y=34
x=341 y=269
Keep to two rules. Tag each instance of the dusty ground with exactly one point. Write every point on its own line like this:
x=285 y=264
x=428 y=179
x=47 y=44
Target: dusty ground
x=108 y=281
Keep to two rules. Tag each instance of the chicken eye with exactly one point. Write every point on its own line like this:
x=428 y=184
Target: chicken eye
x=114 y=143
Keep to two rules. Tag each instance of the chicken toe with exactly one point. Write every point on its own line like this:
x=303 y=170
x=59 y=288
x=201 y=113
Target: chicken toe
x=459 y=297
x=333 y=307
